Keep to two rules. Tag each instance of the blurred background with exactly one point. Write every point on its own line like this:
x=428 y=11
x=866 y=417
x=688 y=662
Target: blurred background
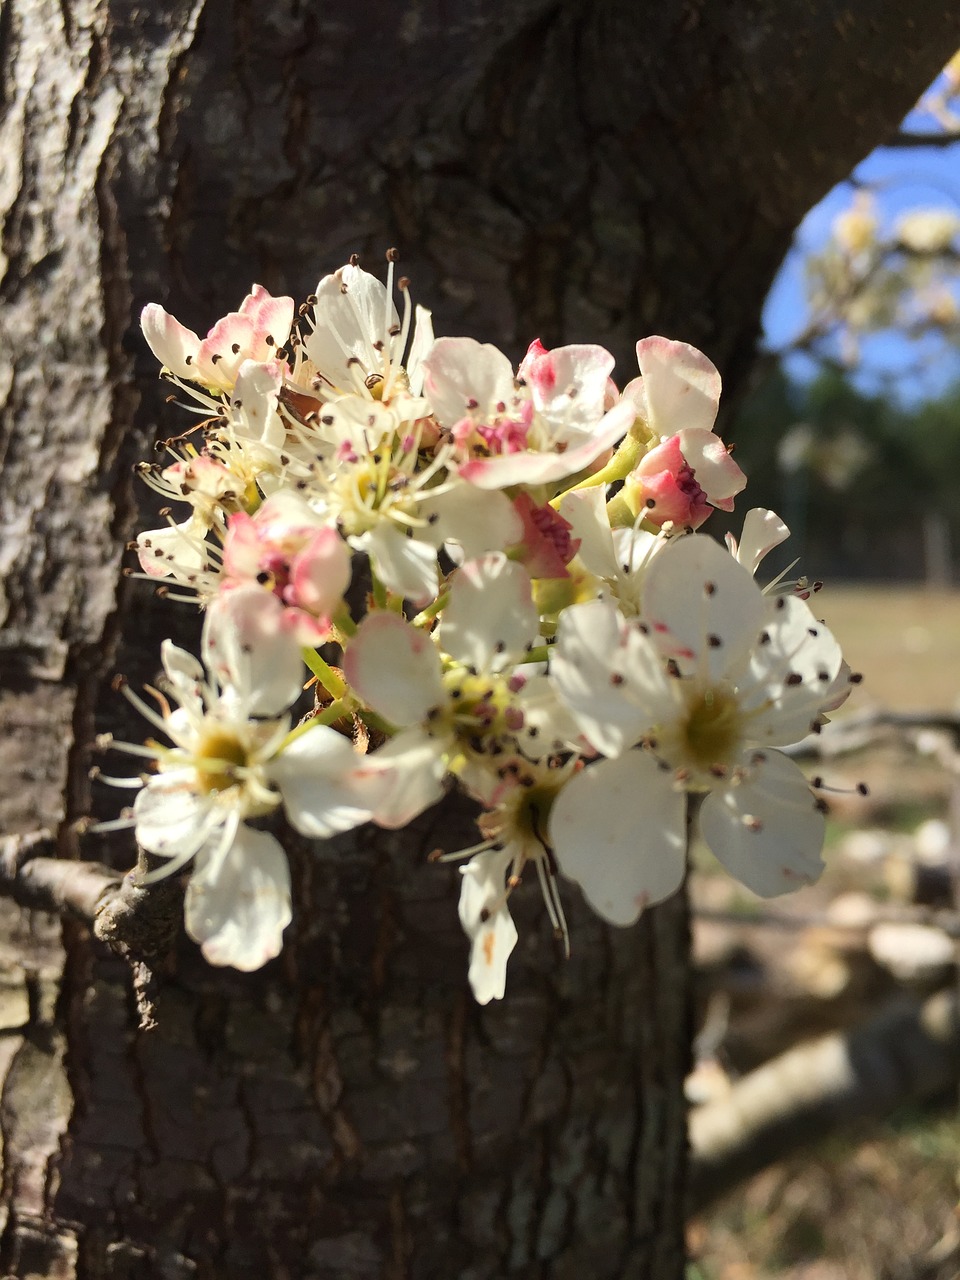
x=825 y=1130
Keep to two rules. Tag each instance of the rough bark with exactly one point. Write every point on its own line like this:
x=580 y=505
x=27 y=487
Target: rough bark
x=586 y=171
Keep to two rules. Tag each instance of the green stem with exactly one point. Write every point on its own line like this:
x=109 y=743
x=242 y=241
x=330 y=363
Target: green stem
x=619 y=467
x=430 y=612
x=325 y=674
x=329 y=715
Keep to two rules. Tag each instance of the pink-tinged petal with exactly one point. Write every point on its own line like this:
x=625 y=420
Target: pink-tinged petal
x=664 y=486
x=681 y=387
x=406 y=777
x=172 y=343
x=252 y=648
x=569 y=384
x=713 y=465
x=767 y=831
x=323 y=783
x=541 y=468
x=271 y=318
x=242 y=548
x=618 y=829
x=320 y=574
x=237 y=906
x=609 y=675
x=461 y=374
x=535 y=350
x=762 y=531
x=547 y=546
x=224 y=350
x=395 y=668
x=703 y=607
x=491 y=619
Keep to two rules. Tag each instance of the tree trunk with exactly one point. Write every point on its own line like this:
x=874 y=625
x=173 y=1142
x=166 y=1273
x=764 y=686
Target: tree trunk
x=585 y=170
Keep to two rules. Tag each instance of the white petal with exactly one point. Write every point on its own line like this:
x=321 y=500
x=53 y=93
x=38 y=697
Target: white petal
x=681 y=387
x=491 y=619
x=476 y=520
x=250 y=645
x=419 y=347
x=238 y=906
x=618 y=829
x=586 y=510
x=793 y=673
x=321 y=780
x=487 y=923
x=406 y=777
x=609 y=675
x=762 y=531
x=706 y=606
x=405 y=566
x=173 y=821
x=459 y=372
x=395 y=668
x=172 y=343
x=351 y=314
x=767 y=831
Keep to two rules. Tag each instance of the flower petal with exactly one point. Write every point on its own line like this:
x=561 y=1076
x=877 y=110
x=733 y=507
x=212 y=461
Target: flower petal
x=237 y=906
x=323 y=784
x=705 y=606
x=767 y=831
x=174 y=345
x=680 y=387
x=395 y=668
x=618 y=829
x=491 y=619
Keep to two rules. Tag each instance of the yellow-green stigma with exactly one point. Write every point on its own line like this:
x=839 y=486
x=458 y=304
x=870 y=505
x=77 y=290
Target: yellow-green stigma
x=219 y=757
x=713 y=727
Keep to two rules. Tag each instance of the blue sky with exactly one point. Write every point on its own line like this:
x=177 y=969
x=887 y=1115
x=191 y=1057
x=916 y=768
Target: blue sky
x=901 y=179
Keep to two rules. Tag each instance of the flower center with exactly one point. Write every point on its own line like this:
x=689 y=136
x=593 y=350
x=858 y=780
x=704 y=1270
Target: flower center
x=219 y=755
x=712 y=730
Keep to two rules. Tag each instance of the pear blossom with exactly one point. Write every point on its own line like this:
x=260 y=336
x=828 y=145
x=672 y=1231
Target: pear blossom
x=689 y=470
x=694 y=698
x=581 y=663
x=361 y=361
x=289 y=550
x=256 y=332
x=232 y=762
x=459 y=714
x=531 y=431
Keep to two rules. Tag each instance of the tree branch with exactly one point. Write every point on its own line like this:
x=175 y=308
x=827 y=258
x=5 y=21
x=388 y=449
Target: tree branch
x=921 y=138
x=910 y=1052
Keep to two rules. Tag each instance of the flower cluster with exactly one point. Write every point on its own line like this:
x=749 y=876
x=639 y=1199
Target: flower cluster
x=501 y=568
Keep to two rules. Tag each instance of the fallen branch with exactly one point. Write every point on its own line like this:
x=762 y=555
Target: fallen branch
x=910 y=1052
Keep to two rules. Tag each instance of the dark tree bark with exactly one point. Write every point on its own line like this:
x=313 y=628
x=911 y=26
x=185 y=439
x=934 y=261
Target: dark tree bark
x=579 y=169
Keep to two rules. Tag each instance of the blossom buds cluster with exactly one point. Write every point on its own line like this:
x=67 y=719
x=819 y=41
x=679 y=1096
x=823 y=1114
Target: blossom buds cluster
x=539 y=625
